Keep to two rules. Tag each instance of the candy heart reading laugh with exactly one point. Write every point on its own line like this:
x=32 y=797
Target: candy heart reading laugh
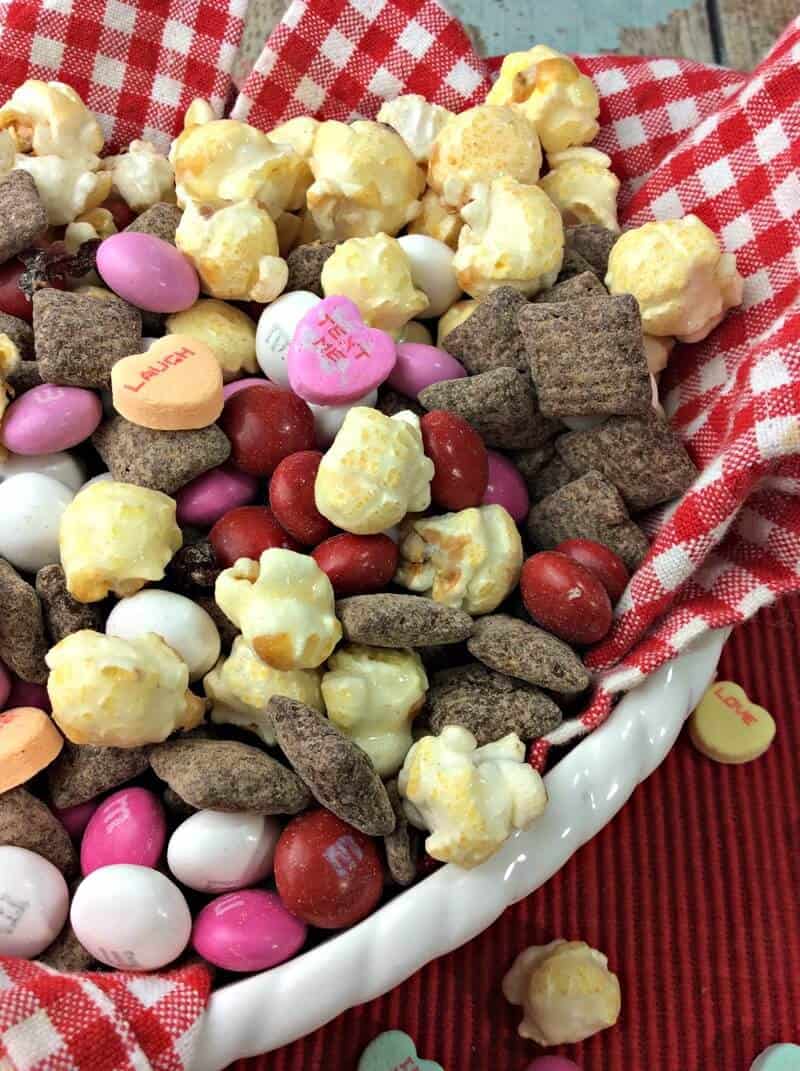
x=334 y=357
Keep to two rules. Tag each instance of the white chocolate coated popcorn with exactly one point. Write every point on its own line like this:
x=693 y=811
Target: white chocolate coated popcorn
x=375 y=472
x=566 y=991
x=470 y=560
x=198 y=112
x=227 y=160
x=67 y=187
x=548 y=89
x=657 y=349
x=142 y=176
x=365 y=181
x=373 y=694
x=298 y=134
x=437 y=220
x=229 y=332
x=479 y=145
x=234 y=249
x=454 y=316
x=583 y=187
x=375 y=273
x=111 y=692
x=470 y=798
x=681 y=279
x=283 y=605
x=241 y=686
x=97 y=223
x=9 y=362
x=8 y=152
x=416 y=120
x=513 y=236
x=50 y=119
x=115 y=537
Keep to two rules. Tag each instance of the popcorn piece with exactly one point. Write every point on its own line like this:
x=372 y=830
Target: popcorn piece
x=111 y=692
x=676 y=271
x=298 y=134
x=133 y=536
x=657 y=350
x=549 y=90
x=99 y=223
x=470 y=560
x=234 y=249
x=49 y=118
x=454 y=317
x=8 y=151
x=470 y=798
x=198 y=112
x=583 y=187
x=10 y=361
x=225 y=160
x=566 y=991
x=229 y=332
x=284 y=607
x=372 y=696
x=365 y=181
x=142 y=176
x=375 y=472
x=513 y=236
x=375 y=273
x=241 y=686
x=437 y=220
x=67 y=187
x=416 y=120
x=479 y=145
x=287 y=227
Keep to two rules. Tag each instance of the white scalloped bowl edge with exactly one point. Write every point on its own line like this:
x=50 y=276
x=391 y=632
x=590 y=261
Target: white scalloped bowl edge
x=586 y=789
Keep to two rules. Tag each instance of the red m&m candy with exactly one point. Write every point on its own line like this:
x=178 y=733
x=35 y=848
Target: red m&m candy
x=291 y=496
x=357 y=564
x=565 y=598
x=459 y=457
x=265 y=424
x=610 y=570
x=246 y=532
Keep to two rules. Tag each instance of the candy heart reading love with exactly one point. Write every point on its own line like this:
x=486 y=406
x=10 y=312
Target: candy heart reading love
x=728 y=727
x=394 y=1051
x=334 y=357
x=175 y=386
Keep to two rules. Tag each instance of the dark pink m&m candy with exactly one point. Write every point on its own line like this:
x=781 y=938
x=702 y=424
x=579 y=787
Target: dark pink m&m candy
x=249 y=930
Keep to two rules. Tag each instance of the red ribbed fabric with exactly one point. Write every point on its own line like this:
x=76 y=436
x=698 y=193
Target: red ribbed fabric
x=692 y=891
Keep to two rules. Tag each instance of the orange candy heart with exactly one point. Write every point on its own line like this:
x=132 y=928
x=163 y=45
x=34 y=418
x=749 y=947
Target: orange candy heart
x=29 y=741
x=175 y=386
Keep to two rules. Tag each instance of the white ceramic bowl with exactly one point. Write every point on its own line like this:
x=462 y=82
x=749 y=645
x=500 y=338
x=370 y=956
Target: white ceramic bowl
x=586 y=789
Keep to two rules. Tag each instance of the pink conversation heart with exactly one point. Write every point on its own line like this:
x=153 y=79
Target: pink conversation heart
x=334 y=357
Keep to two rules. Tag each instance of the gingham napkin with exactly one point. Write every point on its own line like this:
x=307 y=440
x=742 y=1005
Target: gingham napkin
x=683 y=137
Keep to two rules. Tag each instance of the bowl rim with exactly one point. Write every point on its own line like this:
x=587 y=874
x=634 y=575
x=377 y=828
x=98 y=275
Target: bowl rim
x=586 y=789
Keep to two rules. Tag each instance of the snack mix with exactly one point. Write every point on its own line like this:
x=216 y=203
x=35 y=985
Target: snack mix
x=288 y=420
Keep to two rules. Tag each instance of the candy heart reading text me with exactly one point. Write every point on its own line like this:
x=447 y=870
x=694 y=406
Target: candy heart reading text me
x=175 y=386
x=334 y=357
x=394 y=1051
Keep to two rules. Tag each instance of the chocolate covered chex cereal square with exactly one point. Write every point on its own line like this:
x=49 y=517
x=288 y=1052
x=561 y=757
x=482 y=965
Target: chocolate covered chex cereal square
x=489 y=338
x=22 y=214
x=573 y=264
x=587 y=357
x=531 y=462
x=588 y=508
x=550 y=477
x=641 y=456
x=305 y=264
x=592 y=243
x=583 y=285
x=500 y=405
x=161 y=220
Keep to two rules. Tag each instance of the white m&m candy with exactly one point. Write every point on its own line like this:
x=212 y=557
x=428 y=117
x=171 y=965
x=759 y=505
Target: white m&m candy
x=34 y=901
x=213 y=851
x=432 y=272
x=276 y=328
x=31 y=506
x=60 y=466
x=329 y=418
x=181 y=623
x=131 y=917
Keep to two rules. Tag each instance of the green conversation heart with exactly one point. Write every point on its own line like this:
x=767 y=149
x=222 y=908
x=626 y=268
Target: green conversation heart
x=394 y=1051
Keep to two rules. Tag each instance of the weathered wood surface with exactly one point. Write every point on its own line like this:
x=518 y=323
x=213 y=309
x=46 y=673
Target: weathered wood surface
x=737 y=33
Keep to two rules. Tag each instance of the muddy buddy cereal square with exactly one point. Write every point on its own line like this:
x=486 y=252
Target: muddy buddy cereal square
x=531 y=462
x=588 y=508
x=593 y=244
x=390 y=402
x=549 y=478
x=81 y=773
x=500 y=405
x=26 y=822
x=23 y=643
x=388 y=620
x=583 y=285
x=573 y=264
x=517 y=649
x=64 y=615
x=641 y=456
x=490 y=337
x=22 y=214
x=402 y=845
x=160 y=460
x=587 y=357
x=305 y=265
x=25 y=376
x=161 y=221
x=20 y=333
x=79 y=337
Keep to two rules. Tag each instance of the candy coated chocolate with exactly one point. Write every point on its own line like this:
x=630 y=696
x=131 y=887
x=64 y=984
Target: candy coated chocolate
x=128 y=827
x=60 y=466
x=357 y=564
x=276 y=328
x=459 y=457
x=202 y=501
x=334 y=357
x=148 y=272
x=265 y=424
x=418 y=366
x=247 y=532
x=230 y=389
x=249 y=930
x=216 y=852
x=565 y=597
x=327 y=873
x=31 y=506
x=506 y=487
x=291 y=497
x=600 y=560
x=394 y=1051
x=76 y=818
x=781 y=1057
x=47 y=418
x=35 y=902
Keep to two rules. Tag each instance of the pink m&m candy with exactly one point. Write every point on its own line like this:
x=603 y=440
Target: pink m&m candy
x=249 y=930
x=128 y=827
x=46 y=419
x=506 y=487
x=418 y=366
x=148 y=272
x=208 y=497
x=229 y=389
x=76 y=818
x=334 y=357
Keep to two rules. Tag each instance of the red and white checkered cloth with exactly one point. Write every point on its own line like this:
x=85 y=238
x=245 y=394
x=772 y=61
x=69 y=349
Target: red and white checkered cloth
x=683 y=137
